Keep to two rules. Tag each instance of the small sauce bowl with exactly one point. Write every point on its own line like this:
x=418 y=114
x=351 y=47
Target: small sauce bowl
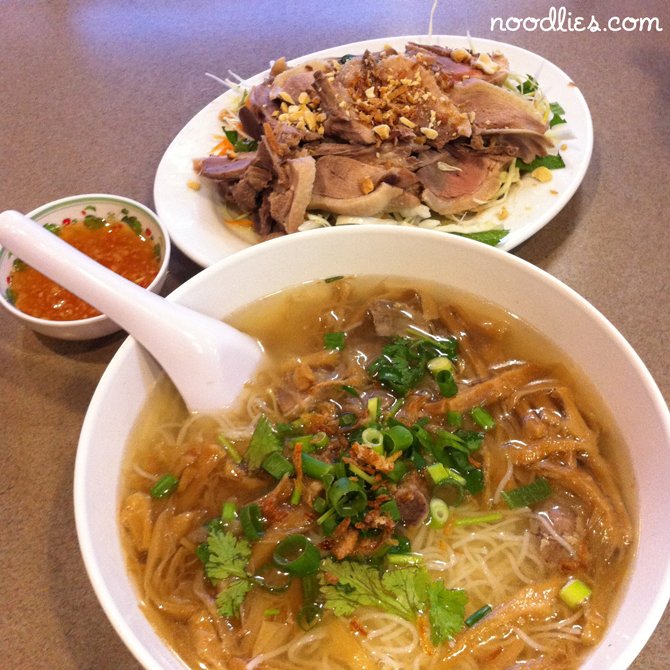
x=119 y=232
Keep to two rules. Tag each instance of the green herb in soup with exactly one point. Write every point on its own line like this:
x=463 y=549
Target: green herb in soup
x=416 y=480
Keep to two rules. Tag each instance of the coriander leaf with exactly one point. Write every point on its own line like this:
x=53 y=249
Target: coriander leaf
x=227 y=555
x=403 y=361
x=358 y=585
x=447 y=611
x=551 y=161
x=229 y=600
x=410 y=586
x=263 y=442
x=491 y=237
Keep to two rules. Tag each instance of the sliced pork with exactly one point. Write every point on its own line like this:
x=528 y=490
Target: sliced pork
x=377 y=134
x=498 y=111
x=461 y=180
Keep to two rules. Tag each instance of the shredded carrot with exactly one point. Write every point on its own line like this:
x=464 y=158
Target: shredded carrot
x=222 y=147
x=424 y=636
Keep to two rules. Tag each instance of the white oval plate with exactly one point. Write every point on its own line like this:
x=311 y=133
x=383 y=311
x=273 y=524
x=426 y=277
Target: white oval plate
x=194 y=219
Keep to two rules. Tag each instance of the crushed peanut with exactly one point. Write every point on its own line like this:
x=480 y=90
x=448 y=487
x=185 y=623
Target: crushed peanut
x=193 y=184
x=486 y=64
x=370 y=92
x=459 y=55
x=502 y=214
x=286 y=97
x=542 y=174
x=406 y=122
x=445 y=167
x=430 y=133
x=367 y=186
x=303 y=98
x=382 y=130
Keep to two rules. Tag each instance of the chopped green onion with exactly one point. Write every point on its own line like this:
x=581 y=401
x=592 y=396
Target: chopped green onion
x=329 y=280
x=400 y=469
x=230 y=449
x=446 y=383
x=574 y=593
x=350 y=390
x=271 y=578
x=296 y=495
x=404 y=559
x=313 y=467
x=400 y=437
x=440 y=363
x=229 y=511
x=439 y=513
x=455 y=419
x=347 y=419
x=395 y=407
x=297 y=555
x=359 y=472
x=491 y=517
x=252 y=522
x=320 y=505
x=270 y=612
x=278 y=465
x=319 y=440
x=440 y=475
x=373 y=410
x=477 y=616
x=311 y=611
x=390 y=507
x=326 y=516
x=528 y=495
x=346 y=497
x=482 y=418
x=334 y=341
x=165 y=486
x=373 y=438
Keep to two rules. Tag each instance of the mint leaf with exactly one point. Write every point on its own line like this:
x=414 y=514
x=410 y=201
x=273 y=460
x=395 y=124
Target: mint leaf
x=491 y=237
x=552 y=161
x=557 y=114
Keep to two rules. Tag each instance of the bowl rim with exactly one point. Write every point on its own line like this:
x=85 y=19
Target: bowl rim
x=130 y=349
x=54 y=205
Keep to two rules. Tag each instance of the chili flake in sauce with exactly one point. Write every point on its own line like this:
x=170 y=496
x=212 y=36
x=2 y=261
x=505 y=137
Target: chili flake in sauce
x=117 y=241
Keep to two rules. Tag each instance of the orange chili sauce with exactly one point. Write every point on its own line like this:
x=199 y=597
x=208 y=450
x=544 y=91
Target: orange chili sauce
x=114 y=245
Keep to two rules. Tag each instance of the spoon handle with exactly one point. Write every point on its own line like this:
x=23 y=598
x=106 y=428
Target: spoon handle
x=208 y=360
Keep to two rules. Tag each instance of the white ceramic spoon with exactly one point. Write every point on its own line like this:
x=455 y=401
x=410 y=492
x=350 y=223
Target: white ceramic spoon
x=208 y=360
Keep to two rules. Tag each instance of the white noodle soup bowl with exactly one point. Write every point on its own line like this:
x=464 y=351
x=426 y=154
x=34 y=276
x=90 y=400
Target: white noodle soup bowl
x=578 y=329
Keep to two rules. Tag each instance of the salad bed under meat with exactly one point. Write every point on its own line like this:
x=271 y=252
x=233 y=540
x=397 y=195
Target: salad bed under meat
x=427 y=137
